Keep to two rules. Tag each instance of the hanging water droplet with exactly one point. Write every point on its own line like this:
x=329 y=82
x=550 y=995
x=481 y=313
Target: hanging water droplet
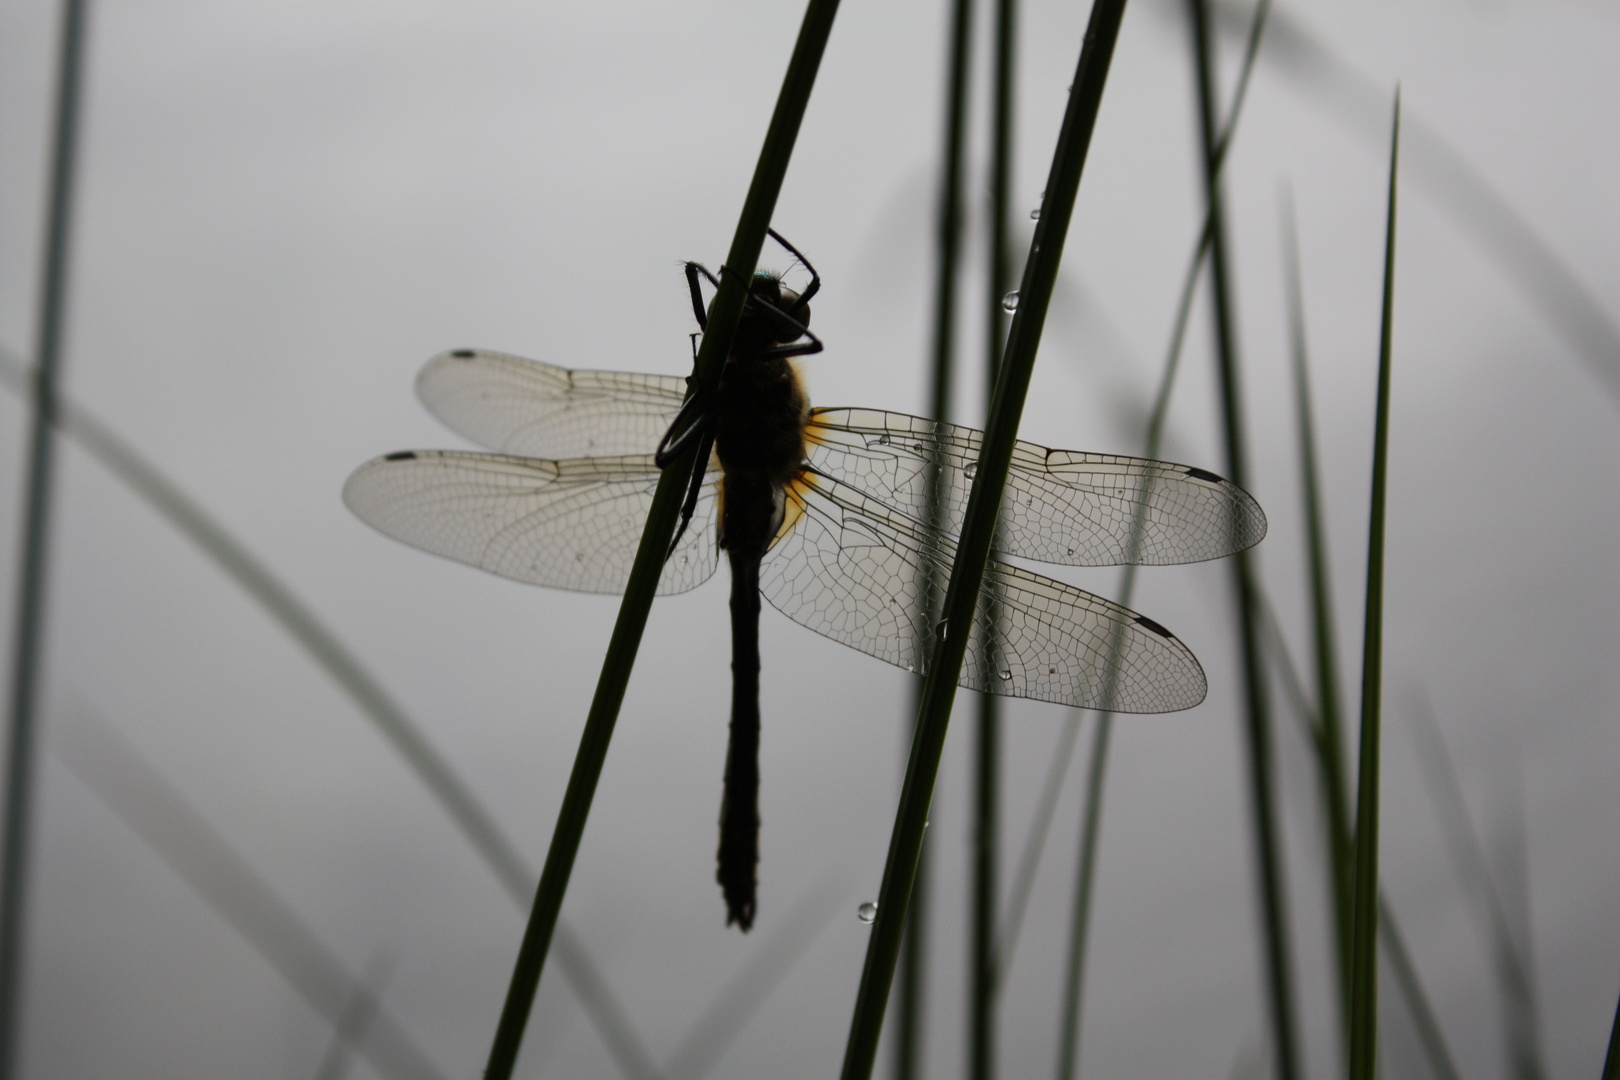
x=1010 y=301
x=1071 y=551
x=683 y=560
x=1035 y=214
x=1004 y=674
x=883 y=440
x=970 y=470
x=940 y=628
x=866 y=912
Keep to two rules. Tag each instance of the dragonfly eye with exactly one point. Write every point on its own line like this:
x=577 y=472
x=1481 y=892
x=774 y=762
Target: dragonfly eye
x=800 y=315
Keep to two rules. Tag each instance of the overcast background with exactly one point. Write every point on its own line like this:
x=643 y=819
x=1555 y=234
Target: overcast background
x=286 y=207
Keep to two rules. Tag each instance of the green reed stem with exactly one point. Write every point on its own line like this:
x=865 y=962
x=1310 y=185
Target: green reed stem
x=724 y=314
x=910 y=1031
x=1273 y=903
x=1364 y=967
x=1334 y=786
x=29 y=637
x=982 y=962
x=978 y=533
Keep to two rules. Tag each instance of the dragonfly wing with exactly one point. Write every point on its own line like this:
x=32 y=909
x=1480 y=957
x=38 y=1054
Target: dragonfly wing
x=1061 y=506
x=533 y=409
x=571 y=524
x=851 y=568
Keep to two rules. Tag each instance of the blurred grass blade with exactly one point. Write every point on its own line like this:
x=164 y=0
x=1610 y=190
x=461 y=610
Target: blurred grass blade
x=983 y=963
x=1364 y=958
x=1029 y=859
x=709 y=1038
x=1401 y=965
x=724 y=313
x=1417 y=1002
x=1068 y=1059
x=453 y=795
x=1330 y=740
x=978 y=532
x=352 y=1024
x=1269 y=849
x=1458 y=188
x=1508 y=952
x=910 y=1026
x=28 y=639
x=117 y=775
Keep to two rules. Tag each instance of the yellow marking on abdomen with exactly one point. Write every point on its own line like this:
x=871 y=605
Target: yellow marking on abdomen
x=793 y=497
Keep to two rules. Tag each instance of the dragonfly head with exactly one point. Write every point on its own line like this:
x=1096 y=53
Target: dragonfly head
x=774 y=312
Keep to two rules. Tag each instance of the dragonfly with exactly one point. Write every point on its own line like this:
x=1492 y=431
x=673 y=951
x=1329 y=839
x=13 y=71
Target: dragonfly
x=844 y=519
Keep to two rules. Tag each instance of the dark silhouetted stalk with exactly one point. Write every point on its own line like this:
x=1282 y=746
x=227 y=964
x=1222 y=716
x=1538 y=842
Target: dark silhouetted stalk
x=1330 y=740
x=1364 y=957
x=978 y=534
x=351 y=1026
x=29 y=637
x=100 y=757
x=1611 y=1061
x=910 y=1025
x=1273 y=902
x=476 y=823
x=982 y=963
x=724 y=314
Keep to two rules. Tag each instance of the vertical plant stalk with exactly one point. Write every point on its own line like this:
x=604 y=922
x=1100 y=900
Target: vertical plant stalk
x=1273 y=903
x=29 y=638
x=1364 y=970
x=982 y=965
x=911 y=1030
x=1402 y=967
x=1329 y=739
x=978 y=533
x=724 y=314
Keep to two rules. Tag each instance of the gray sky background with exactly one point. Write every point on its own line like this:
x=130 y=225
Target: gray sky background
x=286 y=207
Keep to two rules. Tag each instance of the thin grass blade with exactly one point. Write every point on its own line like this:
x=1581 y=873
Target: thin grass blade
x=28 y=639
x=910 y=1029
x=1273 y=901
x=1330 y=740
x=1364 y=957
x=978 y=533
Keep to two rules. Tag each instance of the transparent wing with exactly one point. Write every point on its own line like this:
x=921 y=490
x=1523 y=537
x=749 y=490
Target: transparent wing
x=571 y=524
x=532 y=409
x=1062 y=506
x=851 y=568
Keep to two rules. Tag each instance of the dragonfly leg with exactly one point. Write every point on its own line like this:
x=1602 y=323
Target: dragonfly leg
x=693 y=489
x=699 y=308
x=815 y=278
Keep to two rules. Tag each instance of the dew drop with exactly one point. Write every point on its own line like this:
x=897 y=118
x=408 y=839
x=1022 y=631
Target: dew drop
x=1004 y=674
x=941 y=627
x=970 y=470
x=883 y=440
x=1010 y=301
x=1071 y=551
x=867 y=912
x=1035 y=214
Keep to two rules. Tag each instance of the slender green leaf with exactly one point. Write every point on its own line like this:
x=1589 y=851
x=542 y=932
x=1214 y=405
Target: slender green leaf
x=28 y=638
x=1330 y=740
x=978 y=533
x=1268 y=845
x=1364 y=957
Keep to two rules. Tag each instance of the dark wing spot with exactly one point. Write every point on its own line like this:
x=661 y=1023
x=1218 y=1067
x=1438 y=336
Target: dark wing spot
x=1143 y=620
x=1203 y=474
x=400 y=455
x=464 y=354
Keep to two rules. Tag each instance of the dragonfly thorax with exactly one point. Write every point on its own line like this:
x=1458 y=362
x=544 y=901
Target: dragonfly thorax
x=773 y=315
